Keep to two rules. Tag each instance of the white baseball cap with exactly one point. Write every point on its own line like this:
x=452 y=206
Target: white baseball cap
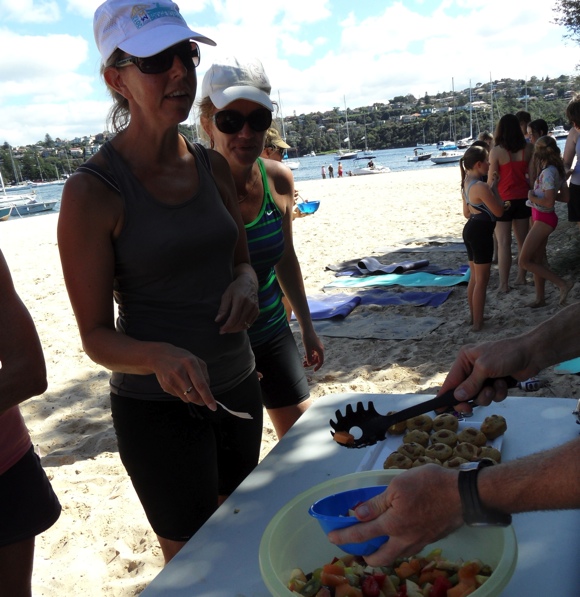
x=141 y=29
x=232 y=79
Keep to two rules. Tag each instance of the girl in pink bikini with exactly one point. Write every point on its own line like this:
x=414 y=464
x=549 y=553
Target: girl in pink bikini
x=549 y=185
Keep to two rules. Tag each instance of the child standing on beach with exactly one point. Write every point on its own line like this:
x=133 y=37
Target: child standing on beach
x=481 y=205
x=550 y=181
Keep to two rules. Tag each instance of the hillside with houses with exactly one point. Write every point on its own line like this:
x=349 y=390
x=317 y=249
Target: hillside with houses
x=401 y=121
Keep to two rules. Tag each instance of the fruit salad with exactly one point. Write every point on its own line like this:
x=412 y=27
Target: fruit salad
x=420 y=576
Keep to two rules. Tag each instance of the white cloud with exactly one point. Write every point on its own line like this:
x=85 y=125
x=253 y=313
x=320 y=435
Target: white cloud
x=314 y=52
x=29 y=11
x=29 y=124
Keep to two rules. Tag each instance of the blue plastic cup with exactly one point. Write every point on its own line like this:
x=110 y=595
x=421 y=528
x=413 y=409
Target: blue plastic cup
x=332 y=513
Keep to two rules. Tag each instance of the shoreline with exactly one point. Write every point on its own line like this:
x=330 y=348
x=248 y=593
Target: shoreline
x=102 y=544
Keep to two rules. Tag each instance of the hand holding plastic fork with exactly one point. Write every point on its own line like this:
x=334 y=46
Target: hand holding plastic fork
x=235 y=412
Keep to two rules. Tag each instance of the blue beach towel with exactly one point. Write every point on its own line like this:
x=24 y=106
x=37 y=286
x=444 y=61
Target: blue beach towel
x=378 y=296
x=415 y=279
x=339 y=306
x=331 y=306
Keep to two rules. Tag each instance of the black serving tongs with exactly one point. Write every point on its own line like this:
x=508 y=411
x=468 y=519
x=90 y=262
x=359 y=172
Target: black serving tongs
x=374 y=426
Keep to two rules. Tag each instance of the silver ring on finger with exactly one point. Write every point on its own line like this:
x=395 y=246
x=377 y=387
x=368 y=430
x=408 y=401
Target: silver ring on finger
x=188 y=390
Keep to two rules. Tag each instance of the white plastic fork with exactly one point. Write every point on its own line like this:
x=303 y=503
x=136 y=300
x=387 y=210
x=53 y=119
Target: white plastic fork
x=235 y=412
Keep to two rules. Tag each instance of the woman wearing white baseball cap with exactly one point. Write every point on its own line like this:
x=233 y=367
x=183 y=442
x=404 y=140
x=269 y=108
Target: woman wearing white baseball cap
x=236 y=112
x=145 y=221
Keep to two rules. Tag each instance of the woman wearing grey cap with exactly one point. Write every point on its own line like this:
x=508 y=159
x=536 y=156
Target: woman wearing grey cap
x=145 y=221
x=236 y=112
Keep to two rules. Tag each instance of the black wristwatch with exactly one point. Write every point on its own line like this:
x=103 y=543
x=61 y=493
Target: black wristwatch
x=475 y=514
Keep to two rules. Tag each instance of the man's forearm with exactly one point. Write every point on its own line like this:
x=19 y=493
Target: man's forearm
x=548 y=480
x=556 y=339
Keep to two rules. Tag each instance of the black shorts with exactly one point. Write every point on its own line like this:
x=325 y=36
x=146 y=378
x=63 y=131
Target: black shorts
x=478 y=239
x=574 y=203
x=284 y=381
x=518 y=211
x=28 y=504
x=181 y=457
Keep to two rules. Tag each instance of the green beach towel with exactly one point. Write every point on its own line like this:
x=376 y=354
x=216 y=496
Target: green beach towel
x=415 y=279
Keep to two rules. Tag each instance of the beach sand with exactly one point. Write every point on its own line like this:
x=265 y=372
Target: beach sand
x=103 y=545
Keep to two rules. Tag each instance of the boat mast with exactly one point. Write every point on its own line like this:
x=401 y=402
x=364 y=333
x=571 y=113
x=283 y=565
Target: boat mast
x=470 y=113
x=491 y=101
x=16 y=177
x=346 y=117
x=281 y=117
x=452 y=121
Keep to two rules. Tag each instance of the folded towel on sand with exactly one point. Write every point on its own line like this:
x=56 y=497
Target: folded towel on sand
x=330 y=306
x=333 y=305
x=370 y=265
x=416 y=279
x=376 y=325
x=572 y=366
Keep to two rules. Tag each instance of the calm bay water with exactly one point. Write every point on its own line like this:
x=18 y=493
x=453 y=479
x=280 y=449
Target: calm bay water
x=310 y=167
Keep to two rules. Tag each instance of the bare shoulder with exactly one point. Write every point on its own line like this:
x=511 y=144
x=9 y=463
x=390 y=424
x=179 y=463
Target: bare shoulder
x=88 y=198
x=280 y=178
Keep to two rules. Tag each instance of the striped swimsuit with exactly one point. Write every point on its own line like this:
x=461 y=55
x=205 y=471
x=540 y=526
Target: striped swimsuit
x=266 y=244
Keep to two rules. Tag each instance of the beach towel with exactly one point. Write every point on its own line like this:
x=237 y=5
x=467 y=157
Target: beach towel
x=332 y=305
x=370 y=266
x=447 y=248
x=415 y=279
x=363 y=267
x=378 y=296
x=378 y=326
x=340 y=305
x=571 y=367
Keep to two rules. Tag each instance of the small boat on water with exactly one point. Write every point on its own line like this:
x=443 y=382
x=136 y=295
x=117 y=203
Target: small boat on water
x=465 y=143
x=559 y=132
x=446 y=157
x=346 y=155
x=24 y=203
x=48 y=183
x=419 y=155
x=293 y=165
x=5 y=213
x=33 y=206
x=375 y=169
x=446 y=145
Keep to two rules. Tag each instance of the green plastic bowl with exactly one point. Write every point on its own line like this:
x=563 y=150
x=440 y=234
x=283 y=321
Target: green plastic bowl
x=293 y=539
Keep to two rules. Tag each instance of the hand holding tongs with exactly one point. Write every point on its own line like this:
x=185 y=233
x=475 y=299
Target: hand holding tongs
x=374 y=426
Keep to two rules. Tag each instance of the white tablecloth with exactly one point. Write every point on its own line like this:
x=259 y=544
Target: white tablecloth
x=221 y=560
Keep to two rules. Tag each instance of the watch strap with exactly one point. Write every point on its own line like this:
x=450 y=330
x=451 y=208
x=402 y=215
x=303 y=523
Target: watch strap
x=474 y=512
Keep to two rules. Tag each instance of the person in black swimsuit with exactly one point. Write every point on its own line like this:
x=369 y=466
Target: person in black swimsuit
x=481 y=206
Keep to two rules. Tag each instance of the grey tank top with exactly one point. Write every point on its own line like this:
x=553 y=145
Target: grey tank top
x=172 y=265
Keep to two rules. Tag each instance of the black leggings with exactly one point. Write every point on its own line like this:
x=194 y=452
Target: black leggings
x=181 y=457
x=478 y=239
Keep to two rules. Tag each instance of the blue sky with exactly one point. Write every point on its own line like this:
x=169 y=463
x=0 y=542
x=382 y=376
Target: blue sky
x=316 y=53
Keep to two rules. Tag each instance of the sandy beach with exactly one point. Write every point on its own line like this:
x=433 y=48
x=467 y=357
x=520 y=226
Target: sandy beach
x=103 y=545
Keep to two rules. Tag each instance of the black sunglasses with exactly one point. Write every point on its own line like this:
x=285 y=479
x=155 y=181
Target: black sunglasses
x=232 y=121
x=188 y=53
